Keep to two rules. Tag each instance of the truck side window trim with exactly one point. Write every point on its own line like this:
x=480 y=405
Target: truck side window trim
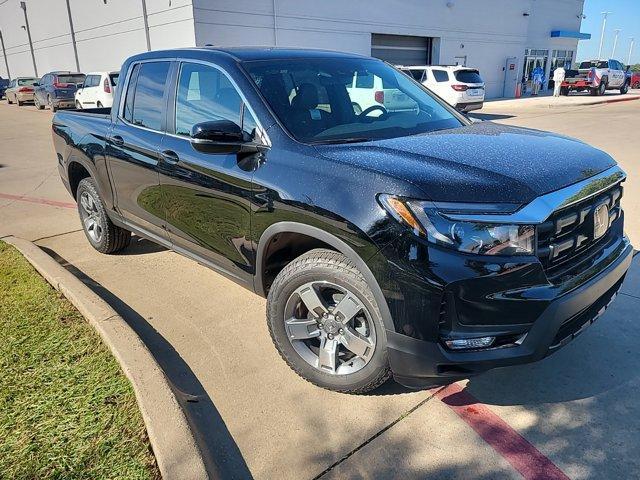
x=170 y=123
x=245 y=106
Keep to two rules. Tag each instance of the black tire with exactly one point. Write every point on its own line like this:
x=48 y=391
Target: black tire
x=113 y=238
x=624 y=89
x=37 y=103
x=564 y=91
x=19 y=103
x=78 y=105
x=51 y=105
x=328 y=266
x=636 y=85
x=9 y=101
x=602 y=88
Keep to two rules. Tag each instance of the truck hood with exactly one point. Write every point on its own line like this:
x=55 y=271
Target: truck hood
x=482 y=162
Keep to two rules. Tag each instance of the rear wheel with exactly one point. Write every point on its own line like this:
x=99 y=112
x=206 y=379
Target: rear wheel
x=102 y=234
x=36 y=102
x=51 y=105
x=326 y=324
x=19 y=102
x=564 y=91
x=9 y=100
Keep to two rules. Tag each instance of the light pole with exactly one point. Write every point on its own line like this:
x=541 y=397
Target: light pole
x=146 y=24
x=4 y=53
x=73 y=37
x=23 y=6
x=604 y=24
x=628 y=59
x=615 y=42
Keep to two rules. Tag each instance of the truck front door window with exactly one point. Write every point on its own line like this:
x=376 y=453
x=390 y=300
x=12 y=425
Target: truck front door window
x=204 y=94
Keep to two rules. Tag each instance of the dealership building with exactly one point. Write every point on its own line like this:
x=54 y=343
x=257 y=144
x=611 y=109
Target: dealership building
x=504 y=39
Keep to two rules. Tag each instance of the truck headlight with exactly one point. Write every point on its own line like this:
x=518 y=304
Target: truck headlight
x=469 y=237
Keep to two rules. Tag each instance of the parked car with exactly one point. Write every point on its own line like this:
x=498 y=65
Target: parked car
x=97 y=90
x=368 y=93
x=57 y=90
x=20 y=90
x=635 y=80
x=4 y=83
x=597 y=76
x=415 y=243
x=461 y=87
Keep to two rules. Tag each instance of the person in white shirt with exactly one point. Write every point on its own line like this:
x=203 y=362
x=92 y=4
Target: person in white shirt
x=558 y=78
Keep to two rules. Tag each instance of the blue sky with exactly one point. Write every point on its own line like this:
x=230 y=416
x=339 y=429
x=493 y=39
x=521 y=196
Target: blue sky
x=625 y=16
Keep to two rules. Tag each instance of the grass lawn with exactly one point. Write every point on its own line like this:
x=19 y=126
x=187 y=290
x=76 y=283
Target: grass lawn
x=66 y=409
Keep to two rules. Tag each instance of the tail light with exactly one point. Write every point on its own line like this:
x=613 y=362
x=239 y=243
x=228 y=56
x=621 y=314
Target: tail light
x=592 y=74
x=106 y=86
x=61 y=85
x=379 y=96
x=25 y=90
x=459 y=88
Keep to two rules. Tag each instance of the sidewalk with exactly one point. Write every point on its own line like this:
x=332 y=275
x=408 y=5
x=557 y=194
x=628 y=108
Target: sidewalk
x=547 y=100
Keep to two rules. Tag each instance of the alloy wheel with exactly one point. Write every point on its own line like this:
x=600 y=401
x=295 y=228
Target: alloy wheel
x=330 y=328
x=91 y=217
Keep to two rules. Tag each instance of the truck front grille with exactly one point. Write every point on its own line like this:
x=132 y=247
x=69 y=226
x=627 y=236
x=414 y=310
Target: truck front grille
x=568 y=235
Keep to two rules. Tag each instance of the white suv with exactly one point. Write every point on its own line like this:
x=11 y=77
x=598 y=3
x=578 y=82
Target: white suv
x=368 y=92
x=97 y=90
x=461 y=87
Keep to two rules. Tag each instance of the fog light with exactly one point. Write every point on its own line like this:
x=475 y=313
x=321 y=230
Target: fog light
x=470 y=343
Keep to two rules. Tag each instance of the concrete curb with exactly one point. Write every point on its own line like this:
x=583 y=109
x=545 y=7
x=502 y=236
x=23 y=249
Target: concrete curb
x=595 y=102
x=172 y=441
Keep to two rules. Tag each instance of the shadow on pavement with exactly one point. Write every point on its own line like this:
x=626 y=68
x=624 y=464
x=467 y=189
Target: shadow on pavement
x=222 y=455
x=141 y=246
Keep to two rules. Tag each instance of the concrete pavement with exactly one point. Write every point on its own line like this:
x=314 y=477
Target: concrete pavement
x=255 y=417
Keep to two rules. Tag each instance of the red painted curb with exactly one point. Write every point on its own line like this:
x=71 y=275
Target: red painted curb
x=41 y=201
x=518 y=451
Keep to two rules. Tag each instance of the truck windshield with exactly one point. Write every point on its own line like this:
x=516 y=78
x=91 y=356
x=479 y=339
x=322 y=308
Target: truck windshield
x=329 y=100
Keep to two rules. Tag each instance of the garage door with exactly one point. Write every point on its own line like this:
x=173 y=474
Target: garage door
x=401 y=49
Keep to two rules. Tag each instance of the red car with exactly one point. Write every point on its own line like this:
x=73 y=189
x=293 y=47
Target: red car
x=635 y=80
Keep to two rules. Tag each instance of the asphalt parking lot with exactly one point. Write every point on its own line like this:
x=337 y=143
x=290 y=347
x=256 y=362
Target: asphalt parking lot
x=573 y=415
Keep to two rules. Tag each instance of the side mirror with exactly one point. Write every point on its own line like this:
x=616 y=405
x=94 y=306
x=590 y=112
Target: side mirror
x=36 y=84
x=217 y=131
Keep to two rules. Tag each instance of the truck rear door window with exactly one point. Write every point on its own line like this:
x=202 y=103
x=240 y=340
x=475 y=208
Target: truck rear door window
x=148 y=104
x=204 y=94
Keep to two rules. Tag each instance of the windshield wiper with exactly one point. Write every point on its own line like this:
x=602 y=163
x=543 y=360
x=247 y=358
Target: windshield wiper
x=342 y=140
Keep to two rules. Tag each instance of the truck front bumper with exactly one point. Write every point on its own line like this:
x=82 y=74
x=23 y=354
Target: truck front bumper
x=417 y=363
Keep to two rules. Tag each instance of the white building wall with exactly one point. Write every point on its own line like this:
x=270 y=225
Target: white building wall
x=485 y=31
x=106 y=34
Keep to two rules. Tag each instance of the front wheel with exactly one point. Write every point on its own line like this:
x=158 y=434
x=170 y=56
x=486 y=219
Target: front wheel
x=326 y=324
x=99 y=105
x=624 y=89
x=102 y=234
x=78 y=106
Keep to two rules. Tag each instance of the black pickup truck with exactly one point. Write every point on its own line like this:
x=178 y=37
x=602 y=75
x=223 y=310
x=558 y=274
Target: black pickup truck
x=415 y=243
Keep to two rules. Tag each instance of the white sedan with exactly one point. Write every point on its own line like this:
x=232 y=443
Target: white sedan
x=97 y=90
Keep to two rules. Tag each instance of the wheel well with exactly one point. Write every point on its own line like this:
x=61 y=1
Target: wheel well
x=76 y=173
x=282 y=249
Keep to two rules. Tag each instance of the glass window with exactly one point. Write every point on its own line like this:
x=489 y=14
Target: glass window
x=440 y=75
x=204 y=94
x=417 y=74
x=468 y=76
x=27 y=81
x=149 y=92
x=364 y=81
x=114 y=78
x=78 y=78
x=323 y=107
x=128 y=103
